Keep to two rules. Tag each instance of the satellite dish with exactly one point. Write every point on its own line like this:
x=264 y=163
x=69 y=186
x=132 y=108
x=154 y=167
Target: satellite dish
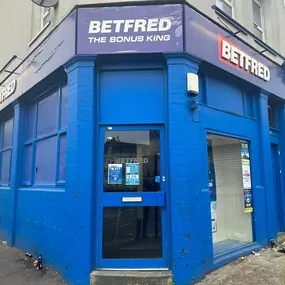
x=46 y=3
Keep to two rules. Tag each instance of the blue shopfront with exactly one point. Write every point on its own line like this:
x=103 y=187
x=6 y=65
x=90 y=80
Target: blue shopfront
x=151 y=144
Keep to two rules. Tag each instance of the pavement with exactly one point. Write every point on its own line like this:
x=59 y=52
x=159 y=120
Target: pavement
x=17 y=269
x=266 y=267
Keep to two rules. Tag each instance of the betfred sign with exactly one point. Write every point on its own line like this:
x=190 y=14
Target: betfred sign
x=121 y=28
x=130 y=29
x=232 y=55
x=126 y=26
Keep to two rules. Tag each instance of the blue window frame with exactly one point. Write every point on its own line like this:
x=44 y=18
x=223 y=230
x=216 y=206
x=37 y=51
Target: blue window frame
x=6 y=142
x=45 y=139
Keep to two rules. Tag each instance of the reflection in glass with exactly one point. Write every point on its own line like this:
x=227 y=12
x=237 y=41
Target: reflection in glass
x=132 y=161
x=132 y=232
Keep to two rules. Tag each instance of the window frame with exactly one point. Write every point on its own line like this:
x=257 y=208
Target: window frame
x=230 y=4
x=248 y=141
x=45 y=12
x=2 y=149
x=255 y=25
x=35 y=139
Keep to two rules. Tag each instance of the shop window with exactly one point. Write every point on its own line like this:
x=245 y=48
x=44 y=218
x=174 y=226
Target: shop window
x=45 y=146
x=230 y=191
x=45 y=17
x=6 y=141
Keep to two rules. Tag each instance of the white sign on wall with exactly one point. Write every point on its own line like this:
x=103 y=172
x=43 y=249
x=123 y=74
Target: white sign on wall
x=8 y=90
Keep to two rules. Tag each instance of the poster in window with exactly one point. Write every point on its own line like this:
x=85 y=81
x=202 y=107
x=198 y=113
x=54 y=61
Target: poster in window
x=245 y=154
x=115 y=173
x=132 y=174
x=214 y=216
x=245 y=160
x=246 y=176
x=211 y=174
x=248 y=207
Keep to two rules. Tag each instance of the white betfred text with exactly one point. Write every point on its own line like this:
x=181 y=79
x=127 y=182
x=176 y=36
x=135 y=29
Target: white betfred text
x=128 y=160
x=154 y=27
x=244 y=61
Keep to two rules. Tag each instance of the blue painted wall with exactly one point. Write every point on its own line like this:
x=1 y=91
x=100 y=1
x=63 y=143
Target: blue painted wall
x=5 y=214
x=41 y=224
x=228 y=110
x=189 y=195
x=61 y=223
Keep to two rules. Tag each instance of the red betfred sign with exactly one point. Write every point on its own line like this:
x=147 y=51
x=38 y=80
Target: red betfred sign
x=231 y=54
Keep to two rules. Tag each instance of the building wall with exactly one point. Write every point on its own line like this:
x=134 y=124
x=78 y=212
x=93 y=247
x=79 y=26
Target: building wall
x=273 y=13
x=66 y=235
x=20 y=26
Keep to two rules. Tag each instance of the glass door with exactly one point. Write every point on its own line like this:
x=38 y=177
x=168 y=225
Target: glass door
x=131 y=204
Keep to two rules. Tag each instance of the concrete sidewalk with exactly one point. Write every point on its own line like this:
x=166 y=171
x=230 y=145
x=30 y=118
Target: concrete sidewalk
x=17 y=269
x=266 y=269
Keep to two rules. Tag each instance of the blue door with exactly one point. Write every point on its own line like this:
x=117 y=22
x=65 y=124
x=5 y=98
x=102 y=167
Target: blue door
x=277 y=186
x=132 y=212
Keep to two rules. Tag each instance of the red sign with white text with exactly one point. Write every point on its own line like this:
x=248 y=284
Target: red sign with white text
x=232 y=55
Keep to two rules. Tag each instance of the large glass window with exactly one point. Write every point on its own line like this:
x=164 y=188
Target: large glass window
x=231 y=193
x=45 y=146
x=132 y=232
x=6 y=141
x=136 y=155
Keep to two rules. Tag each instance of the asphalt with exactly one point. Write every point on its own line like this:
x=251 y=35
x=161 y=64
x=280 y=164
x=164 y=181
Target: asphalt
x=17 y=269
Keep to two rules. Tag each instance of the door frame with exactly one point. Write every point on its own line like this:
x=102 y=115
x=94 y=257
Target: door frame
x=277 y=183
x=161 y=196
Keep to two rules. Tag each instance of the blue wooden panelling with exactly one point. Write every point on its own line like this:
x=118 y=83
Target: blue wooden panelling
x=224 y=96
x=225 y=92
x=132 y=96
